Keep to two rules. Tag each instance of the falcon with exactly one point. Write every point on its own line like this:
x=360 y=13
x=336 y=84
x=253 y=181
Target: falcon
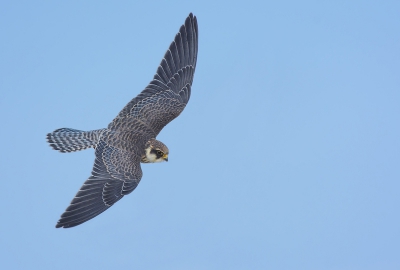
x=130 y=139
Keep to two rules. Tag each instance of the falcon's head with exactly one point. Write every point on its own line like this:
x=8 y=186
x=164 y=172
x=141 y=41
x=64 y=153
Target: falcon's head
x=155 y=151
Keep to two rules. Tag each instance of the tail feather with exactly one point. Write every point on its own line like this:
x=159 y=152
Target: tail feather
x=71 y=140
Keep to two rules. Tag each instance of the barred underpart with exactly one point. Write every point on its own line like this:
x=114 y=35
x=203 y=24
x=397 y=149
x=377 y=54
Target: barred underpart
x=121 y=146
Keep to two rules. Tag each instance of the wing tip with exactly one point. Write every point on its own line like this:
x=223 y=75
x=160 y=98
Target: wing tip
x=191 y=19
x=192 y=16
x=60 y=225
x=66 y=225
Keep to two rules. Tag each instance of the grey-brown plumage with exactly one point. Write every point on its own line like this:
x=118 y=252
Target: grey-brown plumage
x=130 y=138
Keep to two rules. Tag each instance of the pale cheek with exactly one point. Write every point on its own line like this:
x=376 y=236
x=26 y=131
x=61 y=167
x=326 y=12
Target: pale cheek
x=151 y=157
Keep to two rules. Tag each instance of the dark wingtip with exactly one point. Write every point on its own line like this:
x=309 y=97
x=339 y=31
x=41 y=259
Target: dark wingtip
x=191 y=17
x=65 y=226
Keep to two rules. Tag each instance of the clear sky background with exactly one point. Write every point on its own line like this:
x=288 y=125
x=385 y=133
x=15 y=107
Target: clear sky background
x=286 y=157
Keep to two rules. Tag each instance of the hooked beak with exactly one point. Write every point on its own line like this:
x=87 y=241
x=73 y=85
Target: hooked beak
x=165 y=157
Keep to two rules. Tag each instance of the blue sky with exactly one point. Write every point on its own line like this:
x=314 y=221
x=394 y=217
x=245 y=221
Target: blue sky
x=286 y=157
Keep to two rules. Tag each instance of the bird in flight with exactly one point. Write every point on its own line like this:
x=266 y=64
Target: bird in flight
x=131 y=137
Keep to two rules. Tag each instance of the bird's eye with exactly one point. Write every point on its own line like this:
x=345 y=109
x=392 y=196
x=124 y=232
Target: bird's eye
x=159 y=153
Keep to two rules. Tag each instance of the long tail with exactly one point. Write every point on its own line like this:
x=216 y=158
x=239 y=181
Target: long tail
x=71 y=140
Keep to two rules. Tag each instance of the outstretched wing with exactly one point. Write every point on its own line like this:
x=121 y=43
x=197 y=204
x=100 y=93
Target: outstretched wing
x=168 y=93
x=115 y=173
